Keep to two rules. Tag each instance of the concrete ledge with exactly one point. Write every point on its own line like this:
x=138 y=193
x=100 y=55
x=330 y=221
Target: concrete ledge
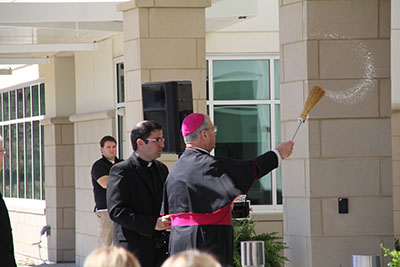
x=32 y=206
x=135 y=4
x=163 y=3
x=267 y=216
x=47 y=121
x=102 y=115
x=182 y=3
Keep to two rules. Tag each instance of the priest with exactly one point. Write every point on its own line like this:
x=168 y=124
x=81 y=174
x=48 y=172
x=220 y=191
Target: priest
x=200 y=189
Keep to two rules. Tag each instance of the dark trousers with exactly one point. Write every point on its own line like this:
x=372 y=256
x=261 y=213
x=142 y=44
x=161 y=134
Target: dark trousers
x=214 y=239
x=151 y=252
x=6 y=241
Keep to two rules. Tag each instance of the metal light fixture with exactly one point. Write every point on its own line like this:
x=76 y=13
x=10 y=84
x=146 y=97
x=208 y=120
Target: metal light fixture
x=24 y=60
x=6 y=71
x=31 y=48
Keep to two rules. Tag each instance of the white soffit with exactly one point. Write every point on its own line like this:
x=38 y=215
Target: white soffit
x=23 y=61
x=59 y=12
x=54 y=26
x=32 y=48
x=225 y=13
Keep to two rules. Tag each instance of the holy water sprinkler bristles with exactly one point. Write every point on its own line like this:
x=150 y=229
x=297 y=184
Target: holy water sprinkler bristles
x=315 y=95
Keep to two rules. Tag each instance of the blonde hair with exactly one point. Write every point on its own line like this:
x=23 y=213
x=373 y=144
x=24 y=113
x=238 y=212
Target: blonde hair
x=191 y=258
x=111 y=257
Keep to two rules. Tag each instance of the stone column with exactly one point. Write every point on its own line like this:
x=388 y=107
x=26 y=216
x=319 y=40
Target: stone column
x=59 y=78
x=395 y=52
x=60 y=188
x=344 y=148
x=163 y=41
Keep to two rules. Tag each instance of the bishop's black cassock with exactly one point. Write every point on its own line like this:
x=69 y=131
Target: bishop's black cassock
x=198 y=195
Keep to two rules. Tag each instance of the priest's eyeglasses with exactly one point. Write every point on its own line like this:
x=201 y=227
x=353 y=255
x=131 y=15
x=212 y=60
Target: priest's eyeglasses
x=156 y=140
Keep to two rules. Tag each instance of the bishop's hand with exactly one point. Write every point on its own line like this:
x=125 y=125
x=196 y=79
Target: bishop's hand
x=285 y=149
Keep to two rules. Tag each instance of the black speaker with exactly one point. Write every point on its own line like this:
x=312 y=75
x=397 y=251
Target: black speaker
x=168 y=103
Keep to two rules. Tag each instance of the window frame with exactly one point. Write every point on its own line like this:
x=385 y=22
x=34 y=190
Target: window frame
x=119 y=110
x=272 y=102
x=17 y=121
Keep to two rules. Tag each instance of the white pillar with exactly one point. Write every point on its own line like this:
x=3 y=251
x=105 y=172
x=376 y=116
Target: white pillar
x=59 y=158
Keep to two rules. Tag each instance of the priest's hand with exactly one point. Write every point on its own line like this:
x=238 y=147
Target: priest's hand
x=163 y=223
x=285 y=149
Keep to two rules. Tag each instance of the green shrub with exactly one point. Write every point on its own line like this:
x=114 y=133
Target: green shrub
x=394 y=256
x=244 y=231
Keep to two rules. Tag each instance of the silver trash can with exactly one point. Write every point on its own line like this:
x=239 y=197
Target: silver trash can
x=366 y=261
x=252 y=253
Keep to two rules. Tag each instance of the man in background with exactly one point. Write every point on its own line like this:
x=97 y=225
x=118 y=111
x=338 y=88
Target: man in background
x=200 y=189
x=100 y=171
x=6 y=240
x=134 y=196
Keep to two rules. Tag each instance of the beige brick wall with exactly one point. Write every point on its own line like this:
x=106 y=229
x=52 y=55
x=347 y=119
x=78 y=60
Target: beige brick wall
x=89 y=129
x=269 y=223
x=95 y=78
x=27 y=219
x=344 y=149
x=59 y=186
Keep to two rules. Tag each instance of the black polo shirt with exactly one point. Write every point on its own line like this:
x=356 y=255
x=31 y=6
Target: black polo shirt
x=99 y=169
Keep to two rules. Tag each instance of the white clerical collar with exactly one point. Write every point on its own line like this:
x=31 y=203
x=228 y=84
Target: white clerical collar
x=148 y=163
x=198 y=148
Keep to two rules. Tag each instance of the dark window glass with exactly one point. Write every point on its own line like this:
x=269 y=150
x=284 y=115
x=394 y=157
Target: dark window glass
x=13 y=106
x=20 y=103
x=21 y=164
x=241 y=79
x=36 y=159
x=207 y=81
x=6 y=105
x=120 y=137
x=13 y=155
x=28 y=160
x=35 y=100
x=277 y=142
x=246 y=138
x=120 y=83
x=27 y=93
x=42 y=160
x=277 y=79
x=23 y=170
x=6 y=166
x=42 y=100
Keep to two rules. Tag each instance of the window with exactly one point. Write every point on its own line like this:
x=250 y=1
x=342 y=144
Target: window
x=120 y=87
x=243 y=101
x=21 y=111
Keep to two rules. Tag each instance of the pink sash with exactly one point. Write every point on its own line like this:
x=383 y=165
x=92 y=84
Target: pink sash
x=219 y=217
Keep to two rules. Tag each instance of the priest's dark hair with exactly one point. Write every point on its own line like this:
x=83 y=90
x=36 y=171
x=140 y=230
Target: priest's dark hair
x=194 y=135
x=142 y=130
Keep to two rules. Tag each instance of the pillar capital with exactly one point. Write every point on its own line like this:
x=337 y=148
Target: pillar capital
x=55 y=121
